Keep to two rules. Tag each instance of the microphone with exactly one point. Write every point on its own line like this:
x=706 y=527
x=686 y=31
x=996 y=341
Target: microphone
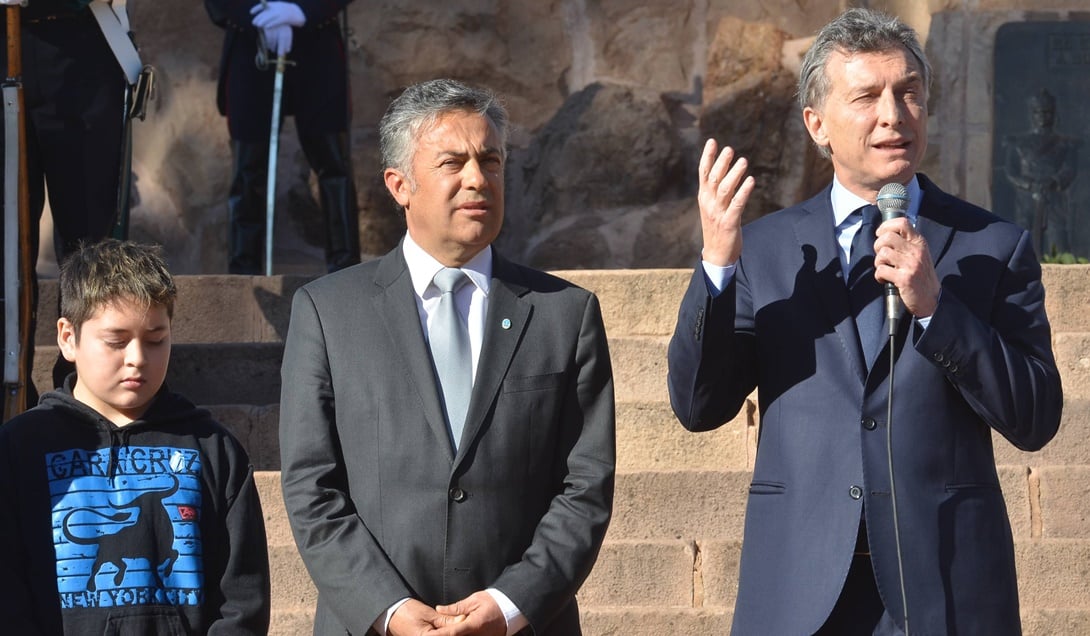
x=893 y=204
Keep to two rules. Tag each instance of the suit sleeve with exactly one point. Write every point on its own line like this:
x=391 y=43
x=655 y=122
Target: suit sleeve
x=568 y=537
x=335 y=544
x=1002 y=365
x=711 y=359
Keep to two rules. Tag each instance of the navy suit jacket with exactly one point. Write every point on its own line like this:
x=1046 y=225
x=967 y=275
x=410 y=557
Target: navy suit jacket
x=381 y=506
x=784 y=327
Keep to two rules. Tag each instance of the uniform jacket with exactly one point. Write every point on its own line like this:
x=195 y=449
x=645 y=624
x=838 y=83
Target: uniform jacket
x=315 y=83
x=381 y=506
x=984 y=363
x=150 y=528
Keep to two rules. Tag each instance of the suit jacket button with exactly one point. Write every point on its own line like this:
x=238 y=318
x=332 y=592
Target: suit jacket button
x=457 y=495
x=855 y=492
x=869 y=423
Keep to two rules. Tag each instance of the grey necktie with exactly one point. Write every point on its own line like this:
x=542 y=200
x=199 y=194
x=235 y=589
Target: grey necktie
x=865 y=292
x=448 y=337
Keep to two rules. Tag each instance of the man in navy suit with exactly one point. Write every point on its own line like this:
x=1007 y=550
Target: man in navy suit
x=972 y=355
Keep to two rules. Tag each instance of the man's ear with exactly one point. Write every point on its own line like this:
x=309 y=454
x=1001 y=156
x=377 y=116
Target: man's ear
x=398 y=185
x=815 y=125
x=66 y=339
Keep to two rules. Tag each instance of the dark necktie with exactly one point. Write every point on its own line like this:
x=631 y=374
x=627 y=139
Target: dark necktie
x=448 y=338
x=865 y=292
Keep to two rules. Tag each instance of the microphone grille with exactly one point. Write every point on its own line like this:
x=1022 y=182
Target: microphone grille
x=892 y=200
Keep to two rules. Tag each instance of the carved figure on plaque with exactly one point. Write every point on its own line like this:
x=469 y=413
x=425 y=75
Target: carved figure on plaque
x=1042 y=164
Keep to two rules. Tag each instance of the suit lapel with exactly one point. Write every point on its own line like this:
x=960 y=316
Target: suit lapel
x=935 y=222
x=394 y=302
x=505 y=322
x=814 y=229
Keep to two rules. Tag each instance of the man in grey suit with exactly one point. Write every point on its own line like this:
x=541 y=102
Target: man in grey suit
x=415 y=511
x=792 y=316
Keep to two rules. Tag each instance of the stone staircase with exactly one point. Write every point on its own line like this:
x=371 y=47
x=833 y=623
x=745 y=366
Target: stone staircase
x=669 y=564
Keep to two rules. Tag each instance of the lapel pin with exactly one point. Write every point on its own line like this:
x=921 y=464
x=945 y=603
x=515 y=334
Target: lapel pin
x=506 y=323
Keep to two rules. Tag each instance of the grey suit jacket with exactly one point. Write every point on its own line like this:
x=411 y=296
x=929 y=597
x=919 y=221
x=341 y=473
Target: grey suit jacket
x=984 y=362
x=380 y=505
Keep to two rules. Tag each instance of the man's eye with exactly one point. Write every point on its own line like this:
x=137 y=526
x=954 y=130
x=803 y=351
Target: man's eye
x=116 y=344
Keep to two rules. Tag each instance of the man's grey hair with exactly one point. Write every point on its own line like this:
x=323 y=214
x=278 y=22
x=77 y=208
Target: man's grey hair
x=855 y=31
x=421 y=104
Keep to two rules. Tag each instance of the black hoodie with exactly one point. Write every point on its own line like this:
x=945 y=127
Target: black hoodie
x=150 y=528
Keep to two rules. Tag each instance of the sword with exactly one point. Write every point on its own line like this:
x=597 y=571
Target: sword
x=274 y=139
x=274 y=146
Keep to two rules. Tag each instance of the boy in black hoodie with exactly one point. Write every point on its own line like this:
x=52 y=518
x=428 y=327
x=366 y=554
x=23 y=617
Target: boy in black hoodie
x=126 y=509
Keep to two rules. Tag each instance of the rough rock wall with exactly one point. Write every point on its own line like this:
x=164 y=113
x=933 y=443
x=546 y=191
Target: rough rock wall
x=611 y=99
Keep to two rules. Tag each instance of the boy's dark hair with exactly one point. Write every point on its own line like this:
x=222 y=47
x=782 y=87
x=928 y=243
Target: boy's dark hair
x=110 y=271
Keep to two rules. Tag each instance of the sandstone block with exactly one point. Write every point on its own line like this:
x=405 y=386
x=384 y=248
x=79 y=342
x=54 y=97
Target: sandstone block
x=637 y=302
x=639 y=368
x=234 y=308
x=291 y=585
x=1014 y=480
x=684 y=505
x=641 y=573
x=1065 y=501
x=1052 y=573
x=291 y=622
x=277 y=529
x=1049 y=622
x=649 y=437
x=256 y=428
x=1073 y=359
x=1067 y=295
x=718 y=573
x=227 y=373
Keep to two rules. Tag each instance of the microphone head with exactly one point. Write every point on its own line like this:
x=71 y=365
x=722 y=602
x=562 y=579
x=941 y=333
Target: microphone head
x=892 y=201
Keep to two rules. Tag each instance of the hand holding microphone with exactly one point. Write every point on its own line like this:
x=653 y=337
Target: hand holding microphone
x=893 y=204
x=903 y=260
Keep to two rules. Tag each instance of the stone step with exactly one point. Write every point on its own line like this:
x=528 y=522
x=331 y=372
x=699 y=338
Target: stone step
x=223 y=308
x=208 y=309
x=249 y=372
x=207 y=373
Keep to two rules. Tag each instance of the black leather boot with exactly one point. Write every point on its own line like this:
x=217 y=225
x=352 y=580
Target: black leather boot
x=330 y=158
x=246 y=208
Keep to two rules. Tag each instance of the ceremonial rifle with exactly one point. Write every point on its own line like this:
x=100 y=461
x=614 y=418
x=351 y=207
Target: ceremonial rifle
x=18 y=268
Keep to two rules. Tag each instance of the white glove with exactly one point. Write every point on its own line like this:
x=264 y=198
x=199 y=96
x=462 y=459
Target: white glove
x=277 y=14
x=278 y=39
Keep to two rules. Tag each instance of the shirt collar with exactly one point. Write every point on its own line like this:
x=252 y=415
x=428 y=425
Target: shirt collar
x=423 y=266
x=845 y=202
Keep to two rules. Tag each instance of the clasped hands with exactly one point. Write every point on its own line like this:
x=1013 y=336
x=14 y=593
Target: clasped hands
x=276 y=19
x=477 y=614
